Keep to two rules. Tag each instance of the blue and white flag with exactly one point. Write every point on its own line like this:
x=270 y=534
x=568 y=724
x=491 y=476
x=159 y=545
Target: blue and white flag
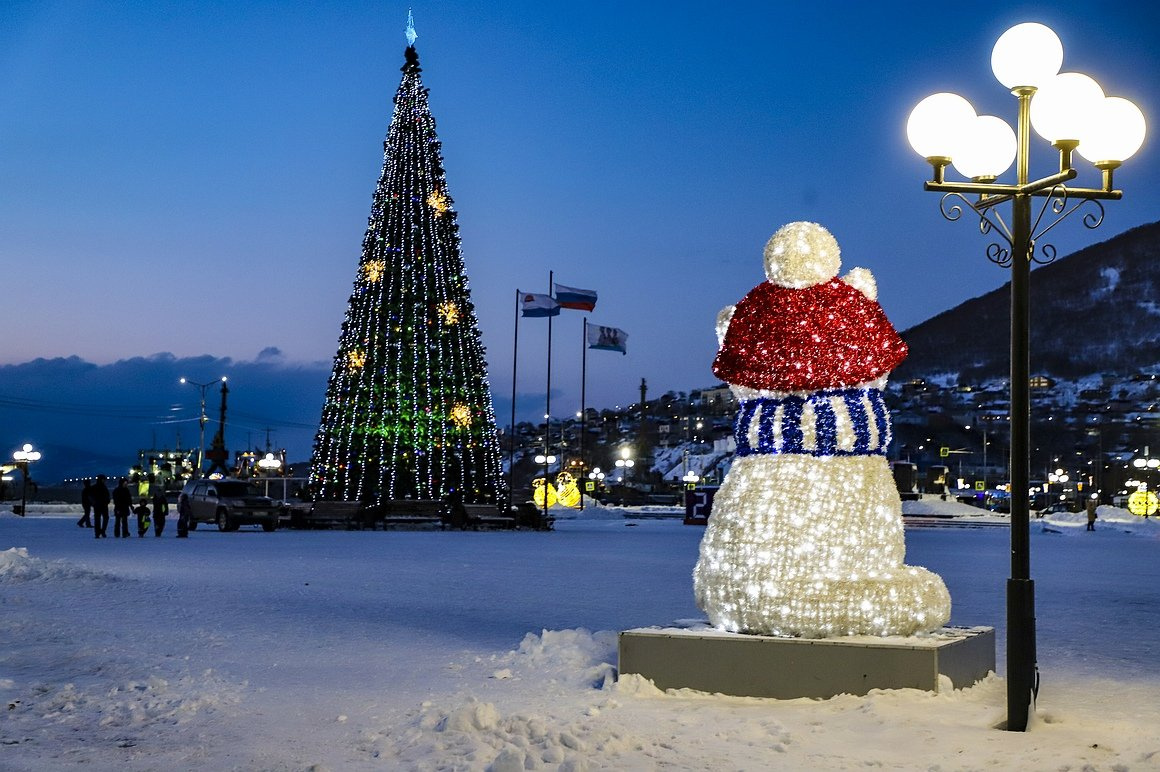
x=607 y=338
x=539 y=305
x=579 y=299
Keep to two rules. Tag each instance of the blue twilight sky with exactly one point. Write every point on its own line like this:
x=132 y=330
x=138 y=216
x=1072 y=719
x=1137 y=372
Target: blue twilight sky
x=192 y=179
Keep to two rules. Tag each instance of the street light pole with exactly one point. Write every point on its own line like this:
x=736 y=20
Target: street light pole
x=202 y=387
x=23 y=457
x=1072 y=113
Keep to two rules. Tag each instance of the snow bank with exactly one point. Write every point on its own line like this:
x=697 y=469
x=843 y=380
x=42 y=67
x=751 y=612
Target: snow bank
x=1107 y=518
x=931 y=506
x=16 y=565
x=475 y=734
x=49 y=509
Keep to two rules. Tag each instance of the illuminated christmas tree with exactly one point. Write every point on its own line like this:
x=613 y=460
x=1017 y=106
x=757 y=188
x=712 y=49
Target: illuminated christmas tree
x=408 y=411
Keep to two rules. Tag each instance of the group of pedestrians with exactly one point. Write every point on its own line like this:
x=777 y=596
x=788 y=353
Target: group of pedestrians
x=95 y=500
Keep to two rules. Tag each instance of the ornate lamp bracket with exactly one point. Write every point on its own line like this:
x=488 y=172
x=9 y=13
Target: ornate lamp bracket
x=1061 y=205
x=1061 y=202
x=996 y=252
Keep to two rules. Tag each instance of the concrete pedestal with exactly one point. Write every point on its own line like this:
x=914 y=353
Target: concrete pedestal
x=708 y=660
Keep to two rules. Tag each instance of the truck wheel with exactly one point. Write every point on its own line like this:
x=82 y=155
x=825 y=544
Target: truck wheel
x=269 y=525
x=223 y=521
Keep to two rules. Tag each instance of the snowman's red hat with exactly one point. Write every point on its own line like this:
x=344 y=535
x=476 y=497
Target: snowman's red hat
x=828 y=335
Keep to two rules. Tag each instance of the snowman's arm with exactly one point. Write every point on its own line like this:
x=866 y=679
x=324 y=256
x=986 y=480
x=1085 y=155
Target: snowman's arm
x=724 y=316
x=862 y=280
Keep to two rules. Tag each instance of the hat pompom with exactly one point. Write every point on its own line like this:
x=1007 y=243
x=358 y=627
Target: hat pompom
x=724 y=316
x=800 y=255
x=862 y=280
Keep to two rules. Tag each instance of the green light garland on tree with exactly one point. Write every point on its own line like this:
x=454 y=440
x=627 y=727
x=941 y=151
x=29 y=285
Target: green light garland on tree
x=408 y=411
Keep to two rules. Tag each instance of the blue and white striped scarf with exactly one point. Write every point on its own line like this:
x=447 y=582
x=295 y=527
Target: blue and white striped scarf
x=836 y=422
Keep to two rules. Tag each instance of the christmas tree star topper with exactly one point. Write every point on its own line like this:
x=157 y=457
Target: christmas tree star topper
x=412 y=35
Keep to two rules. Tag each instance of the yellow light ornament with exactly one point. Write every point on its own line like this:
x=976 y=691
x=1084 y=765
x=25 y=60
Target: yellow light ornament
x=461 y=416
x=373 y=270
x=541 y=488
x=566 y=491
x=1143 y=503
x=439 y=203
x=356 y=359
x=449 y=313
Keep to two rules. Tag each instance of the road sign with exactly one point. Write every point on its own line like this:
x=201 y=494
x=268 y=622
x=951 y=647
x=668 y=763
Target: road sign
x=944 y=452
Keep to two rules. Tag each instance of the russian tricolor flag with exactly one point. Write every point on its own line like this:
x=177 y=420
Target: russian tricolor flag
x=578 y=299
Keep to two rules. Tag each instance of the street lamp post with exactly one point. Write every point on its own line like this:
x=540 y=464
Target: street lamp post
x=545 y=460
x=269 y=466
x=1072 y=113
x=624 y=463
x=23 y=457
x=984 y=428
x=201 y=422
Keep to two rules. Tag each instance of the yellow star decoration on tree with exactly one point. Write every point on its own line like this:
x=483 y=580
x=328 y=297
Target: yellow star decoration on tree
x=356 y=359
x=450 y=313
x=373 y=270
x=438 y=202
x=461 y=416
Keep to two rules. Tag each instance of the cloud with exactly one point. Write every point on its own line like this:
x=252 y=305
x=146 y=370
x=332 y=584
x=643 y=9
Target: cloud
x=88 y=418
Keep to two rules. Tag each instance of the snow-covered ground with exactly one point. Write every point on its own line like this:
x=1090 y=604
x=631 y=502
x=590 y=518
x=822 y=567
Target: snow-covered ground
x=447 y=650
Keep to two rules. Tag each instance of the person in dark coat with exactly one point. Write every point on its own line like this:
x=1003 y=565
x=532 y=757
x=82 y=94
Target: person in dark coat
x=99 y=494
x=86 y=505
x=160 y=511
x=122 y=506
x=184 y=515
x=454 y=512
x=142 y=512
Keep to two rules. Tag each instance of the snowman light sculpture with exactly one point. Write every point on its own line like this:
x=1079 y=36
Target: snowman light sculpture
x=805 y=537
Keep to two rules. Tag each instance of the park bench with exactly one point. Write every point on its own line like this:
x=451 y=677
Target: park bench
x=409 y=512
x=528 y=515
x=326 y=514
x=487 y=516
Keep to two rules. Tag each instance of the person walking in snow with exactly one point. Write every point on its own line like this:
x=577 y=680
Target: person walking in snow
x=184 y=515
x=99 y=494
x=122 y=506
x=86 y=505
x=160 y=511
x=1091 y=514
x=142 y=512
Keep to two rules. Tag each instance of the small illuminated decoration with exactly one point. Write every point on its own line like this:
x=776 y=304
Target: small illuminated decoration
x=373 y=270
x=806 y=534
x=449 y=312
x=461 y=416
x=566 y=491
x=356 y=359
x=1143 y=503
x=540 y=489
x=438 y=202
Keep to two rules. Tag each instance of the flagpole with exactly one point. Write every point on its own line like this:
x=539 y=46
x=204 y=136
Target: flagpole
x=583 y=407
x=548 y=400
x=512 y=425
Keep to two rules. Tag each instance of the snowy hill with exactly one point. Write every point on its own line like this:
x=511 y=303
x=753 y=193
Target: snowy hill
x=1109 y=287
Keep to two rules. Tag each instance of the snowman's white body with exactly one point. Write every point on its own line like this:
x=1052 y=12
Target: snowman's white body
x=805 y=536
x=813 y=546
